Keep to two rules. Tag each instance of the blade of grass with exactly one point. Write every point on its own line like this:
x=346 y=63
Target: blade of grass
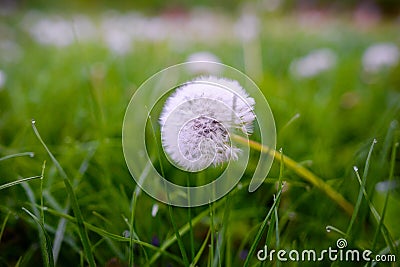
x=75 y=206
x=19 y=181
x=201 y=250
x=391 y=175
x=131 y=258
x=178 y=237
x=48 y=260
x=385 y=251
x=280 y=185
x=132 y=233
x=302 y=172
x=272 y=222
x=184 y=229
x=42 y=238
x=223 y=240
x=191 y=234
x=262 y=229
x=3 y=226
x=292 y=119
x=48 y=247
x=104 y=233
x=18 y=262
x=60 y=232
x=330 y=228
x=61 y=227
x=362 y=188
x=212 y=230
x=386 y=235
x=171 y=217
x=22 y=154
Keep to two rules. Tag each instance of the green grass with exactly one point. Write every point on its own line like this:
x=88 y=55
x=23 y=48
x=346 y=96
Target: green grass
x=87 y=209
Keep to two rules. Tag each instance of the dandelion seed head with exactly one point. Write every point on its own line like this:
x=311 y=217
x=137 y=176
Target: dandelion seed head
x=197 y=120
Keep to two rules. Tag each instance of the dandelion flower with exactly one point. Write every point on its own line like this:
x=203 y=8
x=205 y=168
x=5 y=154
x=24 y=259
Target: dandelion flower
x=197 y=120
x=314 y=63
x=379 y=56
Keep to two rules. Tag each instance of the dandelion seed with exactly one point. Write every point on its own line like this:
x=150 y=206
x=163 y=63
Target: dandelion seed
x=197 y=120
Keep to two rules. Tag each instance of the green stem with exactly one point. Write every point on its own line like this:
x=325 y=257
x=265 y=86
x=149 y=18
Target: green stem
x=301 y=171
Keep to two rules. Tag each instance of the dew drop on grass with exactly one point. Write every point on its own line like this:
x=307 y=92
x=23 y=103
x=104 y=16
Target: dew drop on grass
x=33 y=121
x=31 y=154
x=355 y=168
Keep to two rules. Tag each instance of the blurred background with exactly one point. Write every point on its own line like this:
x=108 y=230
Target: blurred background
x=329 y=70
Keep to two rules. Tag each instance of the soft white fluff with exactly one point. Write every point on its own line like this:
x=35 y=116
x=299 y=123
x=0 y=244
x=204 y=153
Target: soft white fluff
x=197 y=120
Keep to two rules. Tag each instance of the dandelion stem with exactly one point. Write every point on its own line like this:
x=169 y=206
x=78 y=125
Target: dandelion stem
x=301 y=171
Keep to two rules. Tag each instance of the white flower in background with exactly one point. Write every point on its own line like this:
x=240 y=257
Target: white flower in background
x=117 y=32
x=202 y=68
x=52 y=31
x=247 y=28
x=385 y=186
x=313 y=63
x=3 y=79
x=197 y=120
x=379 y=56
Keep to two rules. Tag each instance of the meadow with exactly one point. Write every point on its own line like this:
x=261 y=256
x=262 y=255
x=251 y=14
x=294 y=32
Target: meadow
x=331 y=81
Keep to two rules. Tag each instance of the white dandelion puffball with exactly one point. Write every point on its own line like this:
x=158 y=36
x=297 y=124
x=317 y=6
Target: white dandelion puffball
x=198 y=118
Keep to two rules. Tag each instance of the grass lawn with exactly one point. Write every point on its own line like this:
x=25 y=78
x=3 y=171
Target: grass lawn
x=75 y=74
